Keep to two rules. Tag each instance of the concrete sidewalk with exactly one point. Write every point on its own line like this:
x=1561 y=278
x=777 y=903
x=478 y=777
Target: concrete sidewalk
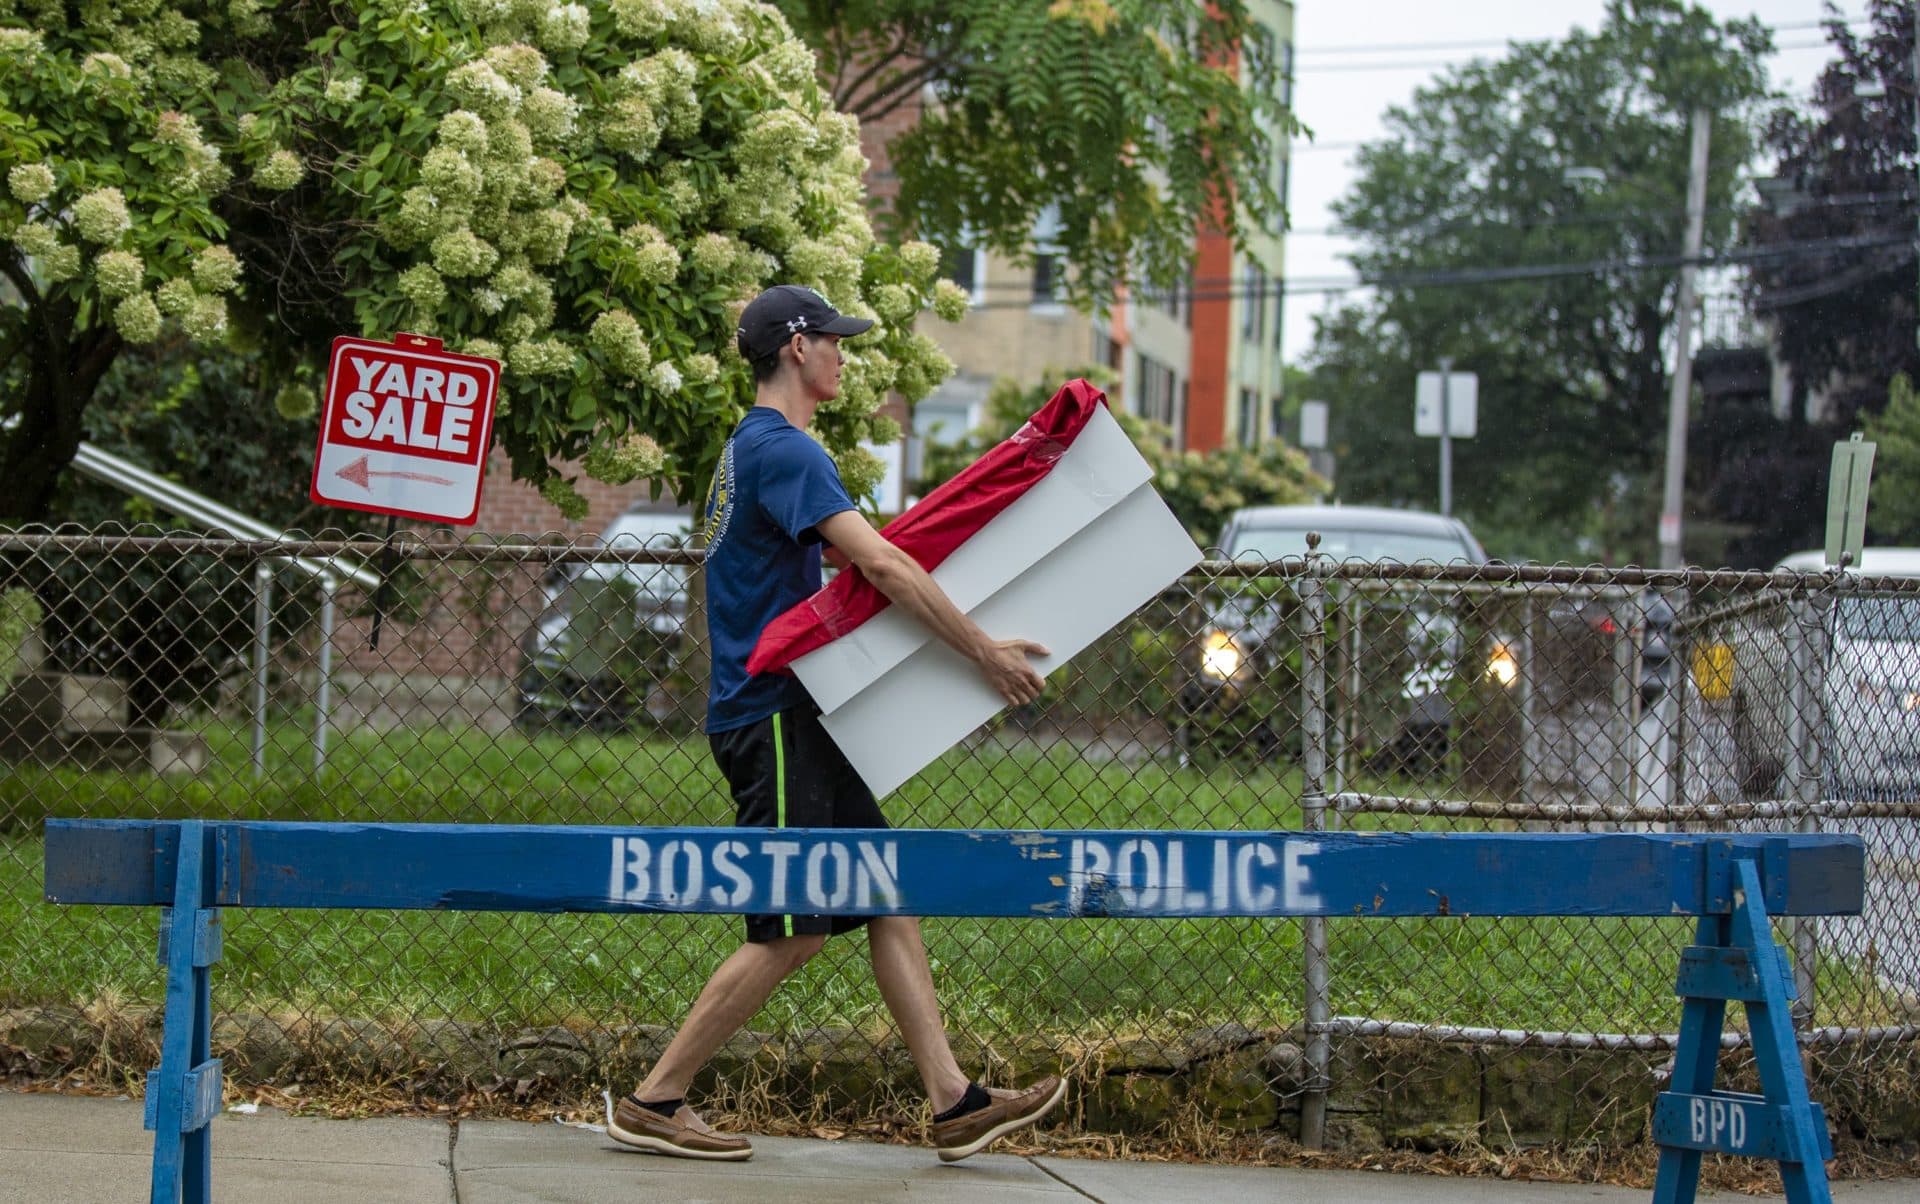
x=59 y=1149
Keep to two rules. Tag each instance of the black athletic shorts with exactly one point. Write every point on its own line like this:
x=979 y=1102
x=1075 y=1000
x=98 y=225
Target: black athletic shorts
x=786 y=772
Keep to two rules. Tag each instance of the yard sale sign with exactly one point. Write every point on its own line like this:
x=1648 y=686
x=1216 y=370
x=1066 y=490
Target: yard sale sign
x=405 y=429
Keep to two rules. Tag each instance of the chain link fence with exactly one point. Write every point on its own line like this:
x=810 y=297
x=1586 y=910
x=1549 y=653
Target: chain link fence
x=522 y=680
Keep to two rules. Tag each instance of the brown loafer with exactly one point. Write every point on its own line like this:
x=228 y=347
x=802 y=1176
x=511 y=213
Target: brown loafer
x=644 y=1129
x=966 y=1135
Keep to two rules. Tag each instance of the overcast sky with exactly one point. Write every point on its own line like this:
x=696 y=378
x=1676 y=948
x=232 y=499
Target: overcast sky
x=1341 y=91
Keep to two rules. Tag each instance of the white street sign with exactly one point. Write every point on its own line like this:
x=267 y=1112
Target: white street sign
x=1463 y=404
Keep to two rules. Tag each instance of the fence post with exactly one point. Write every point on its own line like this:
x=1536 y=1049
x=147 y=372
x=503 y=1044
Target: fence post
x=1313 y=817
x=1526 y=686
x=262 y=620
x=323 y=691
x=1806 y=626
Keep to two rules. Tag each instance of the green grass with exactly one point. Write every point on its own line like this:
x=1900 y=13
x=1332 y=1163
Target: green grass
x=999 y=979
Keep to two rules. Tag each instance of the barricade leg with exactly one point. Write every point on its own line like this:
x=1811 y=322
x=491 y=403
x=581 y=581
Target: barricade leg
x=183 y=1095
x=1736 y=959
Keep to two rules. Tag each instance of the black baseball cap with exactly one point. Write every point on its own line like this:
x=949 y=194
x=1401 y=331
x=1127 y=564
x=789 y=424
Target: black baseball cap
x=786 y=310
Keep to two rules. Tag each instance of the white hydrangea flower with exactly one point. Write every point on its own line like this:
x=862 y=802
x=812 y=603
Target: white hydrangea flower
x=478 y=86
x=61 y=263
x=616 y=335
x=546 y=357
x=35 y=239
x=137 y=319
x=206 y=321
x=664 y=378
x=344 y=90
x=24 y=43
x=894 y=302
x=30 y=183
x=549 y=115
x=216 y=270
x=861 y=472
x=950 y=301
x=488 y=301
x=629 y=458
x=281 y=170
x=423 y=286
x=631 y=126
x=640 y=18
x=701 y=368
x=547 y=235
x=521 y=65
x=105 y=65
x=176 y=296
x=565 y=27
x=118 y=274
x=460 y=252
x=450 y=174
x=463 y=130
x=101 y=216
x=715 y=254
x=921 y=259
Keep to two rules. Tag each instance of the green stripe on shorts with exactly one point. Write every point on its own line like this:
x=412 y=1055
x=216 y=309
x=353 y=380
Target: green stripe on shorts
x=780 y=790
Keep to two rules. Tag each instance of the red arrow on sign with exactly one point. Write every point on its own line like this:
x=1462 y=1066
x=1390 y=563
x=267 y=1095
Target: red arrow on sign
x=360 y=474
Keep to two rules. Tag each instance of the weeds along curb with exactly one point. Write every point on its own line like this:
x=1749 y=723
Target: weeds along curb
x=1224 y=1091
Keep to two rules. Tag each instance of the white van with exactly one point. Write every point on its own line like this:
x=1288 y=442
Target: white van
x=1872 y=681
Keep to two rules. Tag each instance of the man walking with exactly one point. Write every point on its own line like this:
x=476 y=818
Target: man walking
x=776 y=499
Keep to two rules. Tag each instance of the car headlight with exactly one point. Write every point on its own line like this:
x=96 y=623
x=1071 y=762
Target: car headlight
x=1219 y=658
x=1501 y=665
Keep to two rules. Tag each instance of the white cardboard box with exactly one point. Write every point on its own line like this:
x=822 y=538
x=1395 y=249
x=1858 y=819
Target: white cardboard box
x=1081 y=550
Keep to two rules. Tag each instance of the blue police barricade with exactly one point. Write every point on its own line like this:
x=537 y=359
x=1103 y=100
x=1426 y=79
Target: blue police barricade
x=1732 y=883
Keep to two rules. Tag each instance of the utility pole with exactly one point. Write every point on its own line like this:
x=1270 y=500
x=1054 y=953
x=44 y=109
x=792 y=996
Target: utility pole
x=1683 y=345
x=1446 y=440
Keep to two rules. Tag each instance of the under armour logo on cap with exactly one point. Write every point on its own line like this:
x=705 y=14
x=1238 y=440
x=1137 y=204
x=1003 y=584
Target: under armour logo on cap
x=797 y=324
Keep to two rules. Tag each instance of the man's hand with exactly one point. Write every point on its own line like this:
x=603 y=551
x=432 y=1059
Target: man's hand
x=1005 y=667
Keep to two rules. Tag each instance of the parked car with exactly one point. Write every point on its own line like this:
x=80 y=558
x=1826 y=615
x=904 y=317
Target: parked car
x=1872 y=690
x=610 y=635
x=1239 y=679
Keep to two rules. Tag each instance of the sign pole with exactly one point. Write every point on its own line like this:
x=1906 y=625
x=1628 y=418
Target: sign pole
x=385 y=590
x=1446 y=440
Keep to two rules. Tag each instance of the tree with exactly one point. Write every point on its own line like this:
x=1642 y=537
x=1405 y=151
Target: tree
x=1843 y=309
x=1555 y=289
x=1129 y=119
x=589 y=195
x=1896 y=475
x=1201 y=488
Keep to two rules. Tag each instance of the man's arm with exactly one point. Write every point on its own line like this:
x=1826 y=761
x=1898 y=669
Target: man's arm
x=900 y=577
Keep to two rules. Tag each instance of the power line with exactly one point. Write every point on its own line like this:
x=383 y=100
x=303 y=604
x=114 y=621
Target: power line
x=1436 y=64
x=1500 y=43
x=1226 y=289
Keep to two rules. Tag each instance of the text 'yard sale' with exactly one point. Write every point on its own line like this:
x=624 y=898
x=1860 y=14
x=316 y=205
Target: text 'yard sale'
x=405 y=429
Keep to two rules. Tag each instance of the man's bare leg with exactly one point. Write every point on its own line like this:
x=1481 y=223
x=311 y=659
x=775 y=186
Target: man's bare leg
x=736 y=991
x=906 y=983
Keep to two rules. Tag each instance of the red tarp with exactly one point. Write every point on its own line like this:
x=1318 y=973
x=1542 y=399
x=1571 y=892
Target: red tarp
x=932 y=529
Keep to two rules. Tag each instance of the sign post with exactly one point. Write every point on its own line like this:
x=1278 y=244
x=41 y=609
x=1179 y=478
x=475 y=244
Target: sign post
x=404 y=429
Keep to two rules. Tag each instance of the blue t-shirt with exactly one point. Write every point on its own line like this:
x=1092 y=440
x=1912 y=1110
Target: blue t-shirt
x=774 y=486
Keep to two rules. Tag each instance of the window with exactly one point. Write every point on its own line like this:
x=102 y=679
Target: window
x=1253 y=301
x=1046 y=265
x=1157 y=394
x=1249 y=418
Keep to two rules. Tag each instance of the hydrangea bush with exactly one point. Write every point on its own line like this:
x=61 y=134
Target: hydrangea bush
x=589 y=193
